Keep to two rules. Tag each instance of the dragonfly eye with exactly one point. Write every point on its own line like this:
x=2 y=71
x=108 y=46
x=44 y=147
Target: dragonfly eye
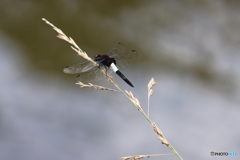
x=98 y=55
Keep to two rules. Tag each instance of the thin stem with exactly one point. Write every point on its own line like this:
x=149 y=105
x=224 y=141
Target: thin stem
x=148 y=106
x=149 y=120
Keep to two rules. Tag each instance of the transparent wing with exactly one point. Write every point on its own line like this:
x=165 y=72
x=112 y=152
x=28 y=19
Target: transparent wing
x=117 y=51
x=79 y=67
x=122 y=59
x=126 y=59
x=93 y=75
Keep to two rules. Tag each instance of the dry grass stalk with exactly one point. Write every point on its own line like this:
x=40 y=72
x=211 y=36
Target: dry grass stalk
x=150 y=85
x=150 y=92
x=134 y=157
x=74 y=46
x=160 y=134
x=96 y=87
x=110 y=78
x=140 y=156
x=134 y=100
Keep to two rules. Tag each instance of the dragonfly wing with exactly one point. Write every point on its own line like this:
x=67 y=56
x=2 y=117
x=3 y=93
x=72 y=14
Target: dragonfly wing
x=126 y=59
x=93 y=75
x=79 y=67
x=122 y=59
x=117 y=51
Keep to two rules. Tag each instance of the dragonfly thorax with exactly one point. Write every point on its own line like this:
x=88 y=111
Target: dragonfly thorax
x=104 y=59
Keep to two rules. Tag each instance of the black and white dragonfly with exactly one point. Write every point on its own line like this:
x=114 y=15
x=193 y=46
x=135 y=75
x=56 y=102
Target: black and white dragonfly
x=90 y=72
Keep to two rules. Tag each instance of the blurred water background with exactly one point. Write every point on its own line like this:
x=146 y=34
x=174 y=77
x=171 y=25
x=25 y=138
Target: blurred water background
x=190 y=47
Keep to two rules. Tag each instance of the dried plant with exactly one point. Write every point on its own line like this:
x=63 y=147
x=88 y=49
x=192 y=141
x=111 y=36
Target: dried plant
x=160 y=134
x=74 y=46
x=150 y=92
x=128 y=94
x=96 y=87
x=141 y=156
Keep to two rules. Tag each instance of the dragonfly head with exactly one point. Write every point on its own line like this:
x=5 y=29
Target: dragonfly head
x=98 y=58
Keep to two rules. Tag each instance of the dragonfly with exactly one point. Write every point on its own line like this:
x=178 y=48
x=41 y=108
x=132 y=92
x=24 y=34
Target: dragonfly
x=110 y=62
